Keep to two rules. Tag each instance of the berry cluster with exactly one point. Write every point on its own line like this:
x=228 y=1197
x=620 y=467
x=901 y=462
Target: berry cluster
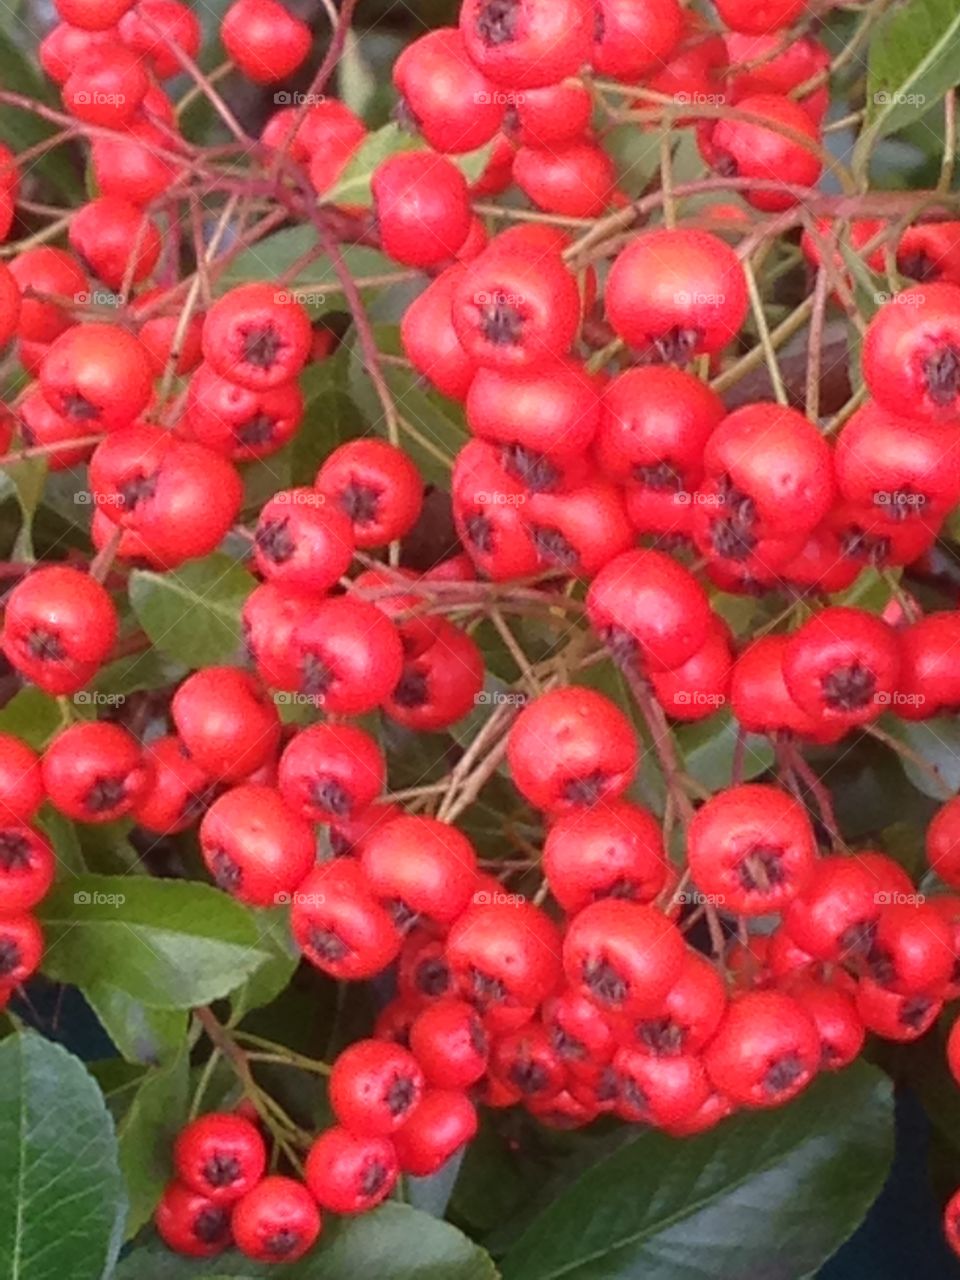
x=610 y=490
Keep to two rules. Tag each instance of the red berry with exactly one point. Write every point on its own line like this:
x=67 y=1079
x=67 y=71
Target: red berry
x=441 y=683
x=420 y=867
x=622 y=955
x=221 y=1156
x=21 y=949
x=575 y=179
x=570 y=749
x=905 y=471
x=92 y=15
x=151 y=27
x=375 y=1087
x=677 y=293
x=226 y=722
x=632 y=39
x=893 y=1016
x=769 y=15
x=504 y=956
x=116 y=240
x=752 y=848
x=234 y=420
x=744 y=149
x=842 y=666
x=376 y=486
x=444 y=95
x=302 y=540
x=59 y=626
x=766 y=1050
x=612 y=851
x=943 y=843
x=26 y=868
x=449 y=1041
x=911 y=354
x=699 y=687
x=192 y=1224
x=349 y=1174
x=21 y=785
x=94 y=772
x=98 y=376
x=255 y=847
x=106 y=86
x=277 y=1221
x=349 y=656
x=687 y=1017
x=835 y=917
x=443 y=1122
x=834 y=1013
x=430 y=339
x=41 y=272
x=178 y=789
x=264 y=39
x=422 y=208
x=257 y=335
x=525 y=44
x=659 y=1091
x=330 y=771
x=340 y=926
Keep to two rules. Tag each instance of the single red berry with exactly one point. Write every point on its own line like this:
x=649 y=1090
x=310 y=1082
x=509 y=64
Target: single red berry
x=94 y=771
x=58 y=628
x=26 y=868
x=687 y=1017
x=116 y=240
x=92 y=15
x=951 y=1222
x=271 y=614
x=444 y=96
x=759 y=695
x=612 y=851
x=842 y=666
x=422 y=207
x=911 y=354
x=257 y=335
x=264 y=39
x=349 y=1174
x=624 y=956
x=487 y=509
x=580 y=1033
x=943 y=843
x=516 y=307
x=632 y=39
x=752 y=848
x=747 y=149
x=21 y=784
x=911 y=950
x=834 y=1013
x=551 y=116
x=106 y=86
x=650 y=611
x=661 y=1091
x=420 y=868
x=159 y=332
x=444 y=1122
x=340 y=926
x=331 y=771
x=349 y=656
x=701 y=686
x=767 y=64
x=155 y=29
x=450 y=1042
x=430 y=339
x=220 y=1155
x=677 y=294
x=302 y=540
x=21 y=949
x=929 y=680
x=255 y=847
x=579 y=530
x=236 y=421
x=375 y=1087
x=277 y=1221
x=575 y=179
x=226 y=722
x=930 y=251
x=893 y=1016
x=64 y=45
x=40 y=273
x=504 y=955
x=192 y=1224
x=546 y=412
x=769 y=15
x=766 y=1050
x=835 y=917
x=525 y=44
x=98 y=376
x=423 y=975
x=527 y=1063
x=570 y=749
x=138 y=163
x=377 y=487
x=441 y=683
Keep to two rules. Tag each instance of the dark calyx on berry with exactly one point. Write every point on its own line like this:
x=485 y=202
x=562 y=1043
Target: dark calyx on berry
x=920 y=266
x=622 y=646
x=79 y=408
x=413 y=689
x=433 y=977
x=553 y=547
x=10 y=957
x=677 y=345
x=258 y=429
x=227 y=874
x=941 y=373
x=567 y=1046
x=587 y=790
x=662 y=1035
x=497 y=21
x=400 y=1095
x=606 y=983
x=328 y=945
x=274 y=540
x=45 y=645
x=106 y=793
x=329 y=795
x=762 y=869
x=262 y=346
x=315 y=676
x=501 y=324
x=282 y=1242
x=137 y=488
x=528 y=1076
x=660 y=476
x=360 y=503
x=479 y=531
x=14 y=851
x=372 y=1179
x=212 y=1224
x=849 y=688
x=535 y=470
x=222 y=1170
x=486 y=989
x=783 y=1074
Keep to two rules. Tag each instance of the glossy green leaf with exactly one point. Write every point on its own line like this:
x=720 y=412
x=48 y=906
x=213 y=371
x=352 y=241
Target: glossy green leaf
x=271 y=977
x=392 y=1243
x=708 y=749
x=935 y=744
x=766 y=1194
x=142 y=1035
x=354 y=184
x=147 y=1133
x=62 y=1201
x=24 y=481
x=193 y=614
x=171 y=944
x=33 y=716
x=912 y=63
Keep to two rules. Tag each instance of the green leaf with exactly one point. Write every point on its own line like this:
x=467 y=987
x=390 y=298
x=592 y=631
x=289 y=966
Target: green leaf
x=353 y=187
x=142 y=1035
x=62 y=1202
x=356 y=79
x=193 y=614
x=266 y=982
x=24 y=481
x=33 y=716
x=937 y=743
x=392 y=1243
x=24 y=129
x=708 y=748
x=138 y=671
x=737 y=1201
x=912 y=63
x=147 y=1133
x=171 y=944
x=62 y=834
